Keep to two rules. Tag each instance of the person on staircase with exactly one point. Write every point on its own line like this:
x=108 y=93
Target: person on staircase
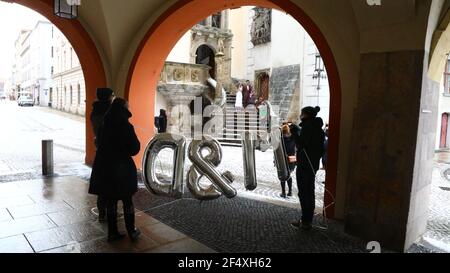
x=239 y=99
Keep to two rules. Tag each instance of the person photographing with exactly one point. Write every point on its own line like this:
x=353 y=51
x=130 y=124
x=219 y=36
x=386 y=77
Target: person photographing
x=309 y=139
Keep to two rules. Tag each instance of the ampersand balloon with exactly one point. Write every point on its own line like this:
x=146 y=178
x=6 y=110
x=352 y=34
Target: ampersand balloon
x=206 y=166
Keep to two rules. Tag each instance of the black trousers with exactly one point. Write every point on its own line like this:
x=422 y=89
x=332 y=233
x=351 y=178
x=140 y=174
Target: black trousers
x=128 y=213
x=306 y=192
x=102 y=204
x=283 y=185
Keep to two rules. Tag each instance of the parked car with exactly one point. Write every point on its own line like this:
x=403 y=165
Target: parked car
x=25 y=101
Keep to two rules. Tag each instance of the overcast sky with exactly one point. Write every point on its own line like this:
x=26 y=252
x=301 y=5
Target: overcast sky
x=13 y=18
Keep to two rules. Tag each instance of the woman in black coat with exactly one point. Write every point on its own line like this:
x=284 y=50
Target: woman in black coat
x=114 y=174
x=289 y=144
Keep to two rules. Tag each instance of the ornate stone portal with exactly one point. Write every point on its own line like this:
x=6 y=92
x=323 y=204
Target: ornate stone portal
x=180 y=84
x=261 y=31
x=220 y=41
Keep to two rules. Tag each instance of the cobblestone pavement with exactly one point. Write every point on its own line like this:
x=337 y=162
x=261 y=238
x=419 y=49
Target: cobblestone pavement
x=269 y=187
x=437 y=236
x=24 y=128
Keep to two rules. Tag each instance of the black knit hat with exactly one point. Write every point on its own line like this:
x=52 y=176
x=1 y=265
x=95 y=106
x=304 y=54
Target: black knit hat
x=311 y=111
x=104 y=93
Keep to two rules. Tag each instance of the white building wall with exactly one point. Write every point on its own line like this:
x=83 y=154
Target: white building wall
x=311 y=96
x=181 y=52
x=33 y=62
x=287 y=40
x=290 y=45
x=238 y=24
x=68 y=89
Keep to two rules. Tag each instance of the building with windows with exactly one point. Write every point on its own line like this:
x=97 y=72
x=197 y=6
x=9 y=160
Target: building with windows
x=443 y=133
x=274 y=52
x=32 y=69
x=67 y=92
x=266 y=47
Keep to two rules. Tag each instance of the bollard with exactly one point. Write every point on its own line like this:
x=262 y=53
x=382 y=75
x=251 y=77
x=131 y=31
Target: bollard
x=47 y=157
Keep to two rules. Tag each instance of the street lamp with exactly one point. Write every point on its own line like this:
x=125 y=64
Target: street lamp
x=67 y=9
x=319 y=73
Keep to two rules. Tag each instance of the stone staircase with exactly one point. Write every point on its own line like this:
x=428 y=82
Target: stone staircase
x=236 y=122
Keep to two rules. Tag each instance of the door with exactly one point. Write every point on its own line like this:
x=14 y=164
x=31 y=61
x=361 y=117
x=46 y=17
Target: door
x=264 y=86
x=444 y=127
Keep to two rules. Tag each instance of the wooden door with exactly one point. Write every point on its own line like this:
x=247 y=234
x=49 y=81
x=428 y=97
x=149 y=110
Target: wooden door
x=264 y=86
x=444 y=128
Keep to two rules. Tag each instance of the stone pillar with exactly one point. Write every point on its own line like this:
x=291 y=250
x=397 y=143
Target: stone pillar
x=391 y=168
x=179 y=116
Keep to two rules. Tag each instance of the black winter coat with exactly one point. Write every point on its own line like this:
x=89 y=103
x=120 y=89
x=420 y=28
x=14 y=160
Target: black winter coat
x=99 y=110
x=310 y=139
x=289 y=144
x=114 y=174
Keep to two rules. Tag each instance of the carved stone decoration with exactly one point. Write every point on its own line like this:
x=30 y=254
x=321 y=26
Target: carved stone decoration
x=178 y=74
x=261 y=26
x=195 y=77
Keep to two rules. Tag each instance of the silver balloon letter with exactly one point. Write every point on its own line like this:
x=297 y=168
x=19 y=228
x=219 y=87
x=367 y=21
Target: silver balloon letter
x=173 y=188
x=206 y=166
x=248 y=150
x=280 y=155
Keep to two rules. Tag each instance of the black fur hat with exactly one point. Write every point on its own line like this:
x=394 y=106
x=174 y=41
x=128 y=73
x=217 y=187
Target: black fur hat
x=104 y=93
x=311 y=111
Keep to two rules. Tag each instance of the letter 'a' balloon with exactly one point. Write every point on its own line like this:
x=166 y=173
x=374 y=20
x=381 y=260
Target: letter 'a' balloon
x=248 y=150
x=157 y=185
x=206 y=166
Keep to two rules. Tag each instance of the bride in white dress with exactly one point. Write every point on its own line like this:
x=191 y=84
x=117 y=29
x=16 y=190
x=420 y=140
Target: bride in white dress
x=238 y=103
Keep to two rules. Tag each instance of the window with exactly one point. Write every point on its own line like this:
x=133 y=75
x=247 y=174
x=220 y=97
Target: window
x=71 y=96
x=447 y=78
x=216 y=20
x=79 y=95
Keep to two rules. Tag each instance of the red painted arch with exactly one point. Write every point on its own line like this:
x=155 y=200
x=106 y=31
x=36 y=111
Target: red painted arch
x=91 y=63
x=163 y=35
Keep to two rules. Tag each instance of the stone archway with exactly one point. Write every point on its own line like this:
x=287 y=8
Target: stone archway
x=149 y=59
x=91 y=63
x=206 y=55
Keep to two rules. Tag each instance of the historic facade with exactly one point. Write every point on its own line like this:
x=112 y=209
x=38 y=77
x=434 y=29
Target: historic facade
x=32 y=68
x=208 y=43
x=443 y=130
x=68 y=91
x=278 y=56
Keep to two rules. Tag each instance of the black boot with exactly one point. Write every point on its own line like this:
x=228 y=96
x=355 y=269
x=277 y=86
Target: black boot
x=283 y=189
x=113 y=231
x=133 y=232
x=290 y=187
